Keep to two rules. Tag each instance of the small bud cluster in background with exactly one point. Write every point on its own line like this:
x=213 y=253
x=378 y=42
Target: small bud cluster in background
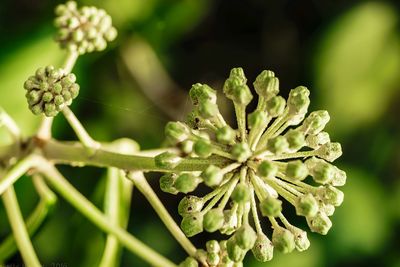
x=276 y=153
x=83 y=30
x=50 y=90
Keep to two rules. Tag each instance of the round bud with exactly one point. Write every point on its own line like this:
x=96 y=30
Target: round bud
x=298 y=100
x=212 y=176
x=296 y=170
x=201 y=93
x=300 y=238
x=167 y=160
x=203 y=148
x=271 y=207
x=320 y=223
x=213 y=246
x=190 y=204
x=186 y=146
x=328 y=209
x=330 y=151
x=275 y=106
x=339 y=178
x=315 y=122
x=315 y=141
x=245 y=237
x=213 y=220
x=225 y=135
x=207 y=109
x=176 y=132
x=267 y=169
x=213 y=259
x=189 y=262
x=235 y=253
x=241 y=152
x=192 y=224
x=256 y=119
x=241 y=193
x=266 y=84
x=331 y=195
x=306 y=205
x=296 y=139
x=238 y=73
x=186 y=182
x=230 y=222
x=321 y=171
x=278 y=145
x=263 y=249
x=283 y=240
x=167 y=182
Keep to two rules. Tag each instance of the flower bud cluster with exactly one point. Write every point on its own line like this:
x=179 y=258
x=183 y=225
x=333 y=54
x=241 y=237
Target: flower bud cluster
x=50 y=90
x=276 y=154
x=83 y=30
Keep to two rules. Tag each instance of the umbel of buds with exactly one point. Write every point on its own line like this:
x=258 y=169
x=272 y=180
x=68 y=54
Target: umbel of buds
x=83 y=30
x=50 y=90
x=276 y=154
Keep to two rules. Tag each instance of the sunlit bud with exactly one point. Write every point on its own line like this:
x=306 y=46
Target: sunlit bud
x=271 y=206
x=300 y=238
x=320 y=223
x=189 y=262
x=296 y=170
x=298 y=100
x=330 y=151
x=263 y=249
x=235 y=252
x=213 y=246
x=278 y=145
x=283 y=240
x=331 y=195
x=241 y=152
x=256 y=119
x=296 y=139
x=266 y=84
x=275 y=106
x=202 y=93
x=315 y=141
x=203 y=148
x=267 y=169
x=321 y=171
x=306 y=205
x=176 y=131
x=315 y=122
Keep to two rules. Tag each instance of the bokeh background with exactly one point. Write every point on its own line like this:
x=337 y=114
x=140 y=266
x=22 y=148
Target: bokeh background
x=346 y=52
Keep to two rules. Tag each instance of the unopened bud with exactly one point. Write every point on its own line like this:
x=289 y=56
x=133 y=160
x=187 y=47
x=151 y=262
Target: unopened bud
x=203 y=148
x=263 y=249
x=192 y=224
x=167 y=160
x=241 y=193
x=275 y=106
x=306 y=205
x=271 y=206
x=283 y=240
x=213 y=220
x=267 y=169
x=212 y=176
x=320 y=223
x=266 y=84
x=278 y=145
x=241 y=152
x=167 y=183
x=186 y=182
x=245 y=237
x=190 y=204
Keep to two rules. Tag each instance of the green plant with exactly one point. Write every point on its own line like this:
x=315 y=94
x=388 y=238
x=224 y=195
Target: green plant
x=262 y=162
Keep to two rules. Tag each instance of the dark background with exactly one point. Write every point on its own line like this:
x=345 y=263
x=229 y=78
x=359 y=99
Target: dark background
x=346 y=52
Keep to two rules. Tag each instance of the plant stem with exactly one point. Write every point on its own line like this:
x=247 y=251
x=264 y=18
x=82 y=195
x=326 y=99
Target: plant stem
x=141 y=183
x=18 y=227
x=9 y=124
x=74 y=153
x=79 y=202
x=17 y=171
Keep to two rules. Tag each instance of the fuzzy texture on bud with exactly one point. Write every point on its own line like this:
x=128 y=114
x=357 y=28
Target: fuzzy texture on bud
x=263 y=249
x=267 y=169
x=283 y=240
x=271 y=207
x=213 y=220
x=245 y=237
x=306 y=205
x=241 y=194
x=296 y=170
x=320 y=223
x=190 y=204
x=192 y=224
x=212 y=176
x=186 y=182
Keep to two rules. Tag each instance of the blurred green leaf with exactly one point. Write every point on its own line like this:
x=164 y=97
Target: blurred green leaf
x=361 y=225
x=358 y=65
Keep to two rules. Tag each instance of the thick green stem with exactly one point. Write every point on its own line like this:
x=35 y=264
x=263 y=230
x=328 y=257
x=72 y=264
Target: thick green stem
x=74 y=153
x=79 y=202
x=19 y=229
x=141 y=183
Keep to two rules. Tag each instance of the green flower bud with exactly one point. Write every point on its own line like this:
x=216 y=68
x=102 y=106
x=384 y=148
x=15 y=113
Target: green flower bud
x=186 y=182
x=190 y=204
x=275 y=106
x=315 y=122
x=256 y=119
x=47 y=94
x=213 y=246
x=187 y=146
x=213 y=259
x=300 y=238
x=263 y=249
x=230 y=222
x=298 y=100
x=201 y=255
x=245 y=237
x=189 y=262
x=241 y=152
x=202 y=93
x=192 y=224
x=235 y=253
x=238 y=73
x=321 y=171
x=296 y=139
x=266 y=84
x=167 y=182
x=267 y=169
x=207 y=109
x=278 y=145
x=315 y=141
x=331 y=195
x=283 y=240
x=213 y=220
x=226 y=135
x=176 y=132
x=212 y=176
x=320 y=223
x=235 y=88
x=340 y=177
x=306 y=205
x=328 y=209
x=167 y=160
x=241 y=193
x=203 y=148
x=296 y=170
x=271 y=206
x=330 y=151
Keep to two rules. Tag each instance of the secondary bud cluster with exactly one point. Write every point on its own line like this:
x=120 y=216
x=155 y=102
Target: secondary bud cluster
x=276 y=154
x=50 y=90
x=83 y=30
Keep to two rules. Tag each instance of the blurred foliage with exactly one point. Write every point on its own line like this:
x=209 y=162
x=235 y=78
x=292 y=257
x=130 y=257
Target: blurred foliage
x=347 y=52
